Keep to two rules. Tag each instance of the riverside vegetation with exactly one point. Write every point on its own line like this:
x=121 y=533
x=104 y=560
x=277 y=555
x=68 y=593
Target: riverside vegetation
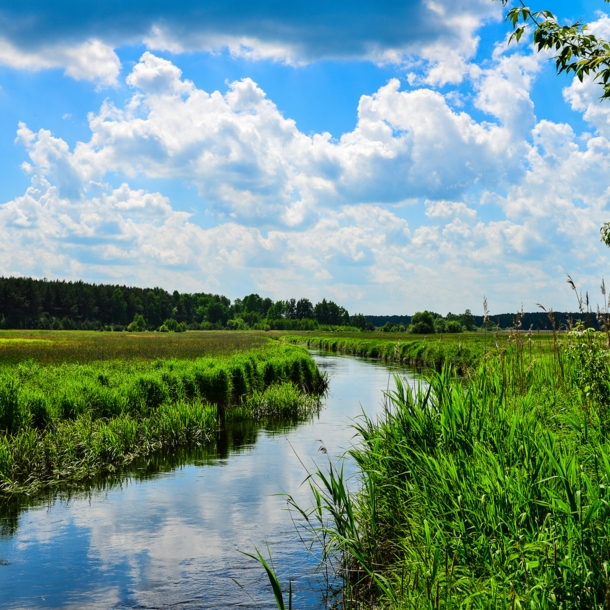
x=463 y=351
x=66 y=423
x=487 y=490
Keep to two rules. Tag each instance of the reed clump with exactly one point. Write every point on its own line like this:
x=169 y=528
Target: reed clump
x=462 y=352
x=72 y=422
x=489 y=491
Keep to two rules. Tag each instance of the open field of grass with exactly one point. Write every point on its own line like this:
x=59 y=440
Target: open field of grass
x=54 y=347
x=70 y=422
x=488 y=491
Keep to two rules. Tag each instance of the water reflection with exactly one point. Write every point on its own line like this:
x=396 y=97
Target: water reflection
x=169 y=532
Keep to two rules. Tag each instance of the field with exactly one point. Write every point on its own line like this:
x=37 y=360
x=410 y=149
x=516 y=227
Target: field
x=486 y=487
x=54 y=347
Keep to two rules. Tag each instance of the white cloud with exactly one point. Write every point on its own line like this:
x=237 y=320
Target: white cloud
x=443 y=209
x=91 y=60
x=295 y=210
x=251 y=163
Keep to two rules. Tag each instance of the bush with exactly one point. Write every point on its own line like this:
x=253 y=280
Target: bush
x=237 y=324
x=138 y=324
x=453 y=326
x=11 y=416
x=422 y=323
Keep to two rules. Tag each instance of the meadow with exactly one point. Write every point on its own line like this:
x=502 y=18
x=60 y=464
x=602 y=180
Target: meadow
x=57 y=346
x=74 y=406
x=486 y=489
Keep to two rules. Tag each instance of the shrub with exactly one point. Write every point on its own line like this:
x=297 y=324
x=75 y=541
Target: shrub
x=138 y=324
x=422 y=323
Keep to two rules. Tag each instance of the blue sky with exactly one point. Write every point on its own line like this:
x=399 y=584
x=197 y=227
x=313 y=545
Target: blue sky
x=390 y=156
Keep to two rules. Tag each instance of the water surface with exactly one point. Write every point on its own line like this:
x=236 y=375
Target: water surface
x=170 y=535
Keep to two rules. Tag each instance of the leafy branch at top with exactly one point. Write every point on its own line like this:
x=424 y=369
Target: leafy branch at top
x=578 y=51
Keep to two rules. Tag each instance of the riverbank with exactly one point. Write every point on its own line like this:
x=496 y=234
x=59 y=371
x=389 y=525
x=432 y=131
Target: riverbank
x=71 y=422
x=461 y=351
x=488 y=491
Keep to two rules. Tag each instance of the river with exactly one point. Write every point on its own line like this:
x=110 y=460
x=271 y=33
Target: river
x=170 y=534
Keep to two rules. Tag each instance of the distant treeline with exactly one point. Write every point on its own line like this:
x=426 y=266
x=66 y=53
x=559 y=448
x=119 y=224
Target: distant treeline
x=534 y=320
x=541 y=321
x=27 y=303
x=380 y=321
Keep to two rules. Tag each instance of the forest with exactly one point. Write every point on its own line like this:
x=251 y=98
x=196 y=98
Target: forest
x=27 y=303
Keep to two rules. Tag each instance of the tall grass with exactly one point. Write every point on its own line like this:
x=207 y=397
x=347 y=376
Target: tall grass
x=489 y=491
x=72 y=422
x=431 y=351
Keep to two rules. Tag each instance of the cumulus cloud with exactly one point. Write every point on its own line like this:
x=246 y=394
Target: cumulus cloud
x=251 y=163
x=417 y=194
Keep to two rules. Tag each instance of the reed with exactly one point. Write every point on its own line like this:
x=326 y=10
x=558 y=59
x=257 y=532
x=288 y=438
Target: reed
x=72 y=422
x=463 y=352
x=488 y=491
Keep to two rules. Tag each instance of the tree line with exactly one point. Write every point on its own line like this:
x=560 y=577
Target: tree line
x=27 y=303
x=426 y=322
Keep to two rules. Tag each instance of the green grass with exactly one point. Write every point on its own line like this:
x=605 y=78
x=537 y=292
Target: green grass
x=462 y=350
x=489 y=491
x=72 y=422
x=56 y=347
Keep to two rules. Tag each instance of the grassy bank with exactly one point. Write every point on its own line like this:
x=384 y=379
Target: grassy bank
x=71 y=422
x=461 y=351
x=484 y=492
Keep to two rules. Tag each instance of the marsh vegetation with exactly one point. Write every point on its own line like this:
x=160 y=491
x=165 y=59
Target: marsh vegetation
x=70 y=422
x=486 y=490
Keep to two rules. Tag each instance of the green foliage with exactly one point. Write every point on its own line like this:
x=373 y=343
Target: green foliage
x=172 y=326
x=293 y=324
x=237 y=324
x=388 y=327
x=422 y=323
x=12 y=415
x=274 y=581
x=578 y=51
x=119 y=307
x=416 y=352
x=605 y=233
x=327 y=312
x=454 y=326
x=40 y=304
x=71 y=422
x=483 y=492
x=590 y=358
x=138 y=324
x=359 y=321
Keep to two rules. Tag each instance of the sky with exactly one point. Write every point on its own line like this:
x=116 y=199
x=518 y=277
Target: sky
x=390 y=156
